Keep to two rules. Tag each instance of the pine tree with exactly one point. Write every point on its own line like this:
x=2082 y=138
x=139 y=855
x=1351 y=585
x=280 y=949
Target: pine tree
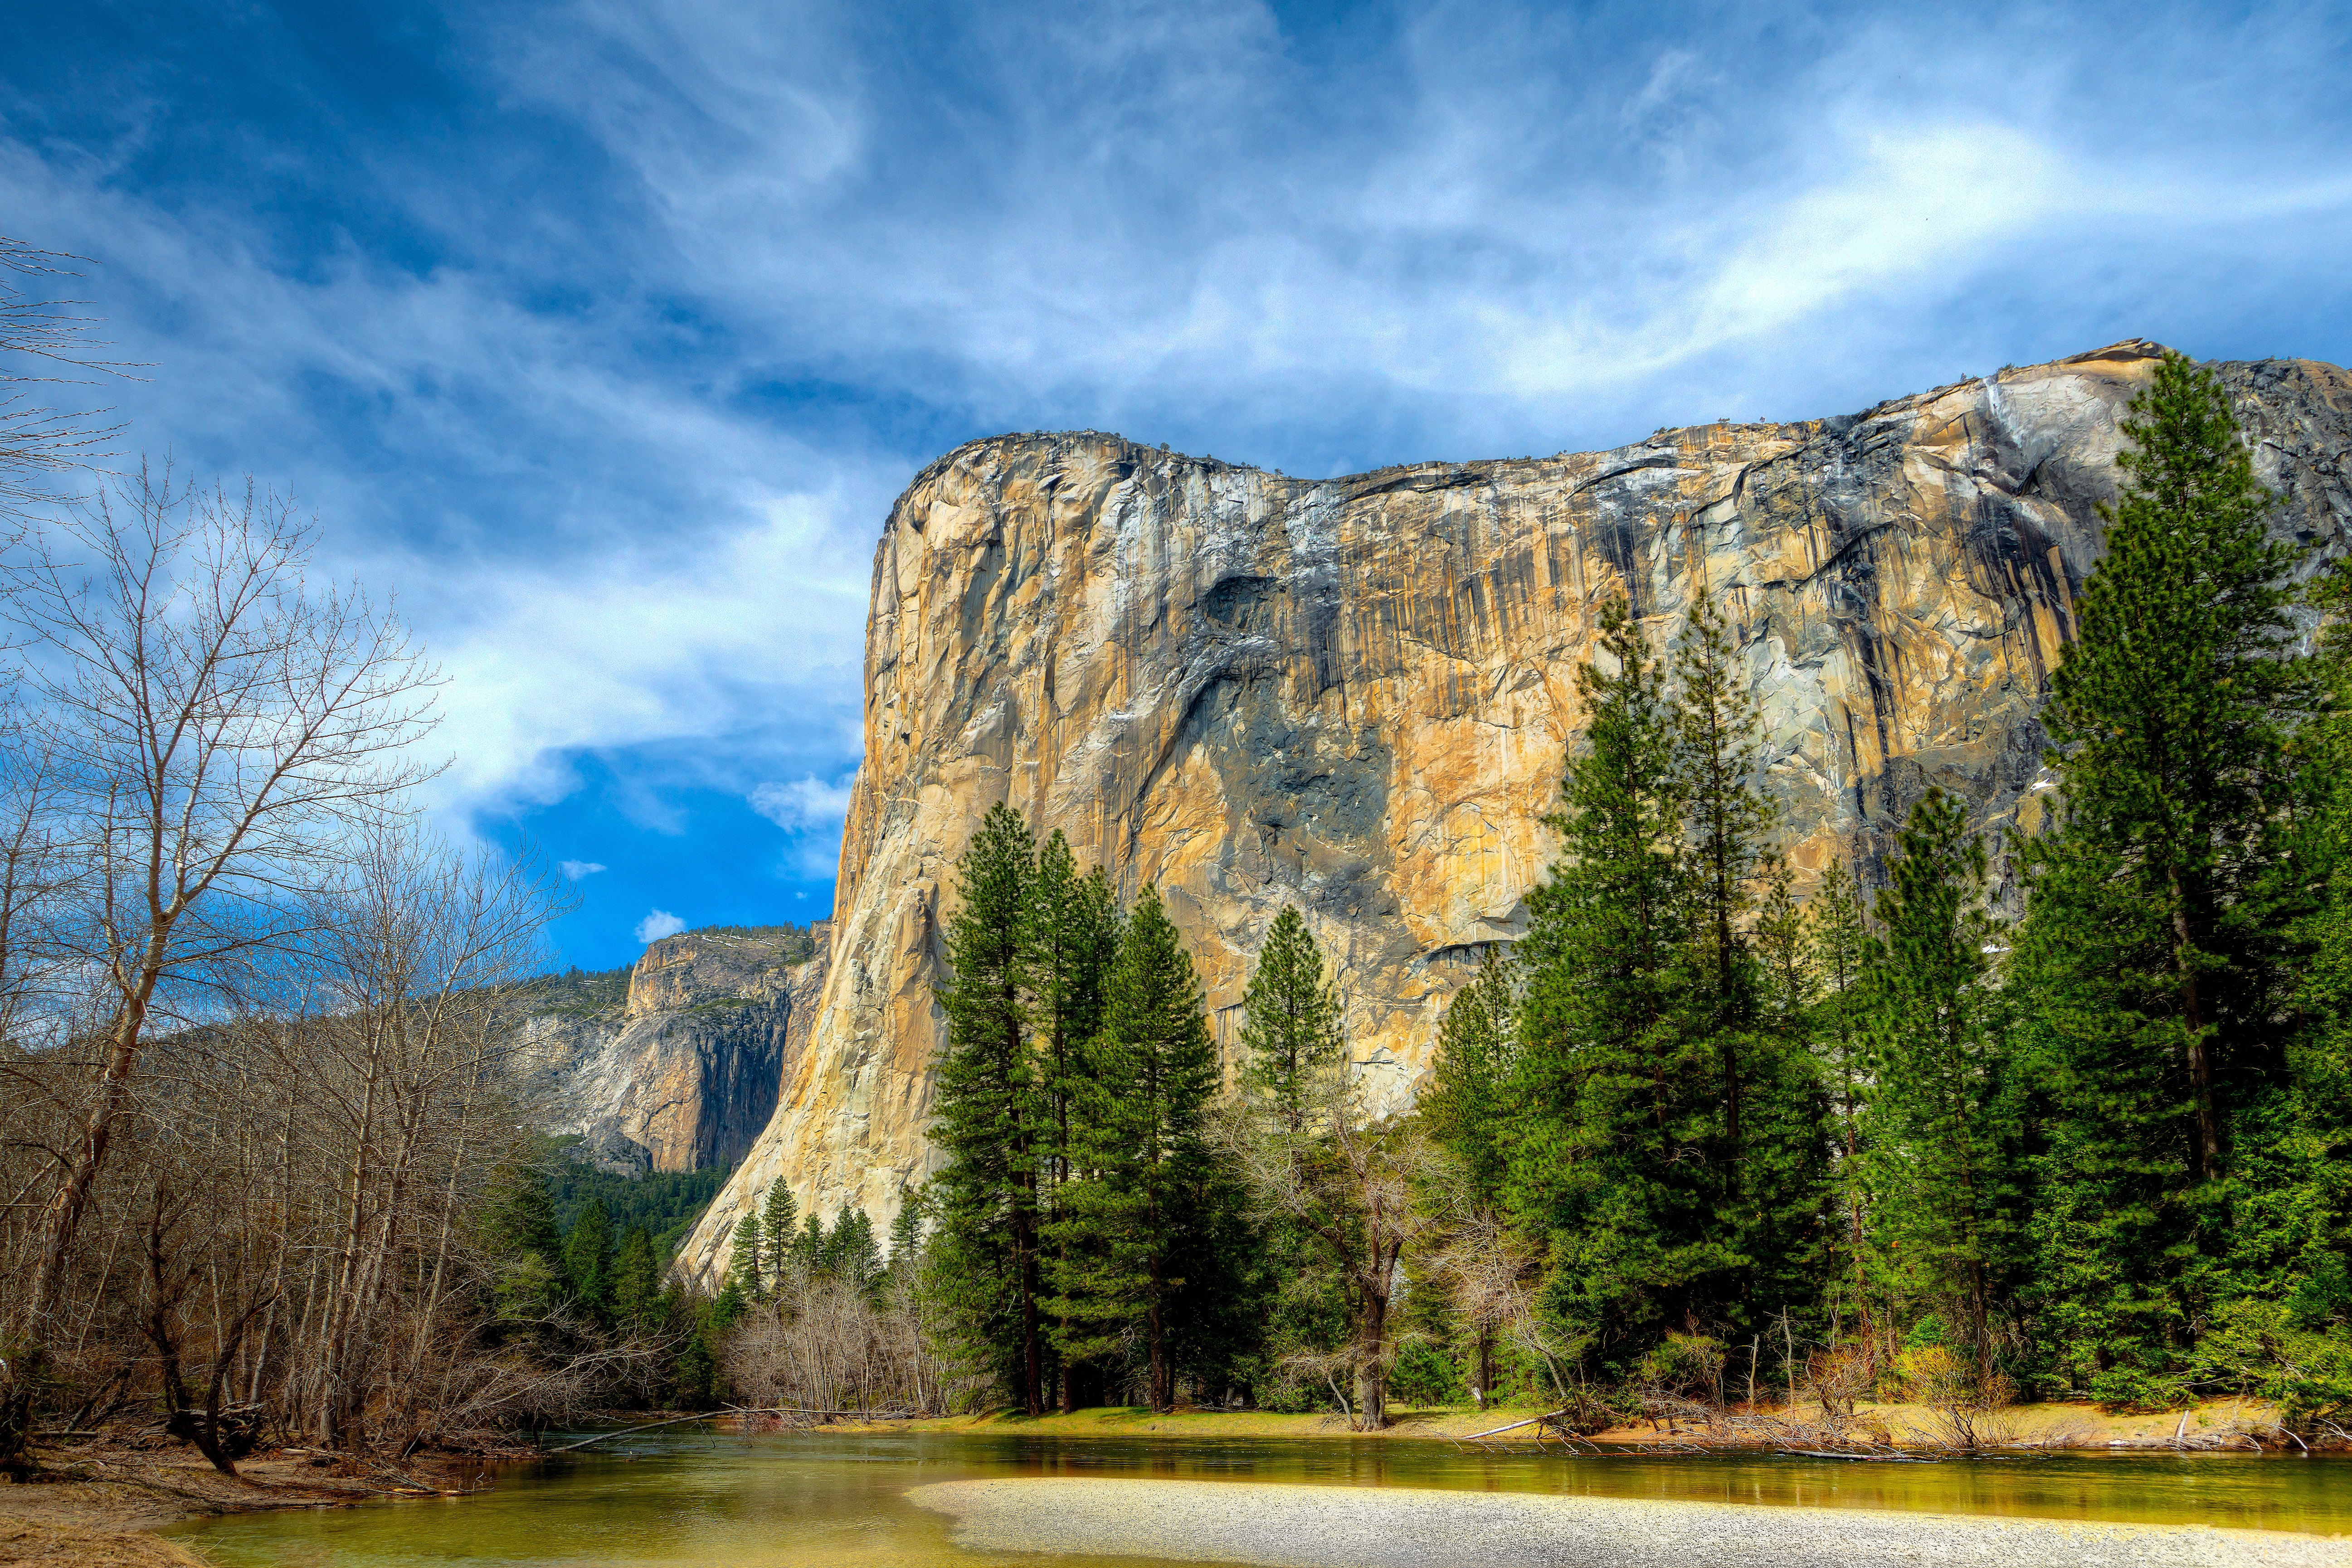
x=636 y=1281
x=907 y=1234
x=1073 y=938
x=1291 y=1021
x=850 y=1254
x=1717 y=757
x=748 y=1263
x=1614 y=1157
x=988 y=1110
x=519 y=1224
x=1839 y=935
x=779 y=1217
x=588 y=1260
x=2158 y=955
x=1142 y=1145
x=1467 y=1105
x=1944 y=1134
x=1784 y=1200
x=2169 y=719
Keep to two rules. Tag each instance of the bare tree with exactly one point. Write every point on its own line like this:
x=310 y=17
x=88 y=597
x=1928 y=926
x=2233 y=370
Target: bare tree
x=42 y=342
x=1351 y=1185
x=215 y=730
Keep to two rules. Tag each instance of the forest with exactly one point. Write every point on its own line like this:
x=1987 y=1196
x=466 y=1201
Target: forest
x=1689 y=1132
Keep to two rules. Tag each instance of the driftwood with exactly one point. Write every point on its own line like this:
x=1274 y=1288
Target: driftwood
x=624 y=1431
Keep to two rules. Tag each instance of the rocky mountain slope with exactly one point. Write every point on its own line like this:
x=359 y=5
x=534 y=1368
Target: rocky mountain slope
x=1354 y=695
x=683 y=1074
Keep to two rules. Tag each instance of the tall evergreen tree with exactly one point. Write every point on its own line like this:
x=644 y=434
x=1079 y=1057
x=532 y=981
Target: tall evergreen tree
x=1467 y=1103
x=1942 y=1114
x=779 y=1217
x=636 y=1281
x=1073 y=938
x=748 y=1261
x=2157 y=957
x=1466 y=1106
x=588 y=1259
x=1613 y=1156
x=1716 y=752
x=2169 y=719
x=1142 y=1144
x=988 y=1111
x=1838 y=934
x=1291 y=1021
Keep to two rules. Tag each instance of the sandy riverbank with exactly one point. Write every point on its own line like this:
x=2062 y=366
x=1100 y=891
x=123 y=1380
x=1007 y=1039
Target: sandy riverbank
x=97 y=1504
x=1397 y=1527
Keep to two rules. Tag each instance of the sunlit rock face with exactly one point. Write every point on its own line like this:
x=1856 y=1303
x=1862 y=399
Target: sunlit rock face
x=685 y=1076
x=1356 y=695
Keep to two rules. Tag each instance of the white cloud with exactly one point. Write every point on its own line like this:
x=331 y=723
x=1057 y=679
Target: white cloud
x=658 y=924
x=804 y=803
x=812 y=810
x=575 y=869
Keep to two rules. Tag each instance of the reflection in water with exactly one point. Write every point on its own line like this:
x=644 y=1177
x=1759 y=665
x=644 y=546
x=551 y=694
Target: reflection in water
x=838 y=1501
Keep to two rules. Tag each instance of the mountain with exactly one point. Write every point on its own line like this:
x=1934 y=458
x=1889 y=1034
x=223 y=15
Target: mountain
x=679 y=1070
x=1355 y=694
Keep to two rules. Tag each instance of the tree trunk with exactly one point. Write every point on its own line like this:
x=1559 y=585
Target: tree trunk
x=2201 y=1048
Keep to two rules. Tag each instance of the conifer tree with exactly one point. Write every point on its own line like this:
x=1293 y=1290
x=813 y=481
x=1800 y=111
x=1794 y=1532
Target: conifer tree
x=1073 y=938
x=779 y=1216
x=906 y=1233
x=588 y=1259
x=1613 y=1154
x=1839 y=934
x=2168 y=717
x=1291 y=1021
x=747 y=1263
x=1467 y=1103
x=850 y=1253
x=988 y=1109
x=1142 y=1142
x=1717 y=749
x=1941 y=1109
x=2159 y=952
x=636 y=1281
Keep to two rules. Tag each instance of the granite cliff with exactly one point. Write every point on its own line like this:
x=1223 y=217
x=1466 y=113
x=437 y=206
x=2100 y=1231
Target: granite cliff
x=684 y=1072
x=1354 y=695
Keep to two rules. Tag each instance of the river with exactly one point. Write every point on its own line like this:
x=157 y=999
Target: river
x=838 y=1501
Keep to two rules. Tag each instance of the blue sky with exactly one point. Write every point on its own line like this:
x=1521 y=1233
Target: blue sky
x=605 y=332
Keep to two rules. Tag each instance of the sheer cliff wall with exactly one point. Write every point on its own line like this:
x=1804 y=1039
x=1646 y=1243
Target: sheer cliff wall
x=1356 y=695
x=685 y=1075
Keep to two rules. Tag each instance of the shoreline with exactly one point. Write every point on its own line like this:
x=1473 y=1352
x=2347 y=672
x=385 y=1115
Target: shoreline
x=2216 y=1425
x=1277 y=1525
x=97 y=1505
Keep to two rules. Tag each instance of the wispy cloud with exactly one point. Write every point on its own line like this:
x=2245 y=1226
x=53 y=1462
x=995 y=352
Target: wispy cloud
x=606 y=332
x=573 y=871
x=658 y=924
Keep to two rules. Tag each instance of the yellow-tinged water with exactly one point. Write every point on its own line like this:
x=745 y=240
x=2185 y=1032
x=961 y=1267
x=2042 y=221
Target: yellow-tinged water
x=837 y=1501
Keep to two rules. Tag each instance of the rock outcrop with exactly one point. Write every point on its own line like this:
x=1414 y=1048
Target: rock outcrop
x=1355 y=694
x=685 y=1074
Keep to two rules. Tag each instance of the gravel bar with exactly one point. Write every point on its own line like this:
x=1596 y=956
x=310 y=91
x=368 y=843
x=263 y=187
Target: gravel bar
x=1363 y=1527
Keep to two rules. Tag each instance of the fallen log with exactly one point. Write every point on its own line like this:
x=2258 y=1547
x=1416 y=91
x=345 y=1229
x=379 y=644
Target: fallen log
x=624 y=1431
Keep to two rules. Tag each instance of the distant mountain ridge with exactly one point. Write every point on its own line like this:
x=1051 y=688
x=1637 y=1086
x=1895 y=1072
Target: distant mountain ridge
x=675 y=1063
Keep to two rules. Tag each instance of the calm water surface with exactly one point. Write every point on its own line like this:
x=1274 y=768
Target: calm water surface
x=836 y=1500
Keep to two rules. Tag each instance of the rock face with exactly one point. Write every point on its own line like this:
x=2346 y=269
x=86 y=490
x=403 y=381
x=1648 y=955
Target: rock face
x=1356 y=695
x=685 y=1074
